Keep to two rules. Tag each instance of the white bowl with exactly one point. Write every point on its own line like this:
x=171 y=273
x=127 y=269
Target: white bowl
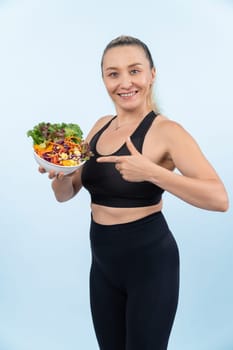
x=48 y=166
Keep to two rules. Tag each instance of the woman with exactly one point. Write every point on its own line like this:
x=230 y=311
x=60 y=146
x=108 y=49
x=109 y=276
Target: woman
x=134 y=278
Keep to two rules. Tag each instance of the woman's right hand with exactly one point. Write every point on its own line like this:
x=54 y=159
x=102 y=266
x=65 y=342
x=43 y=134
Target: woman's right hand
x=52 y=174
x=64 y=186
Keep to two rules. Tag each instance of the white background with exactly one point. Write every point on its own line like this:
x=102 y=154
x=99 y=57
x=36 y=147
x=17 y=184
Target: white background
x=50 y=55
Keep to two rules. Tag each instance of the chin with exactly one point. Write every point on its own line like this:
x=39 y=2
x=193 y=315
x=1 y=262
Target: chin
x=130 y=105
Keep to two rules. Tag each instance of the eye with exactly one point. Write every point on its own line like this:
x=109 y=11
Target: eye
x=113 y=74
x=134 y=71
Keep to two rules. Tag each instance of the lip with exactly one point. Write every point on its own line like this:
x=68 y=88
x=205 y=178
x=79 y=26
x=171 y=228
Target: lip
x=128 y=94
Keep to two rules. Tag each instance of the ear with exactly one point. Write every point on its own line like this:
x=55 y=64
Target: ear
x=153 y=74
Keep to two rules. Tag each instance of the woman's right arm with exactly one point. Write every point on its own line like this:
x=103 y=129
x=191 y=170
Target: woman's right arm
x=66 y=187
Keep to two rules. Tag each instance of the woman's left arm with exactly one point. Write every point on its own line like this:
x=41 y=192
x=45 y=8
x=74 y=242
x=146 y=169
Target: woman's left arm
x=198 y=184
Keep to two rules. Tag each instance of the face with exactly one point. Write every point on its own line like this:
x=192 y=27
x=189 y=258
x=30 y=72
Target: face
x=128 y=77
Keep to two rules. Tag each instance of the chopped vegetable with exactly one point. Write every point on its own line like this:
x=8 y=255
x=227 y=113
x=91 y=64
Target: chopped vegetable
x=44 y=132
x=60 y=144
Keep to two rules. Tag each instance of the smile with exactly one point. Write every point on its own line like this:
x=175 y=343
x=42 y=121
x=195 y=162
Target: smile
x=129 y=94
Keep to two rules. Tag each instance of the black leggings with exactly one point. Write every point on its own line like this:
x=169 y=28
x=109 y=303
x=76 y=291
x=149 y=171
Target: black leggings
x=134 y=283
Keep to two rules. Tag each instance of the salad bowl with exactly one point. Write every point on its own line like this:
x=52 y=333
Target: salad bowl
x=48 y=166
x=59 y=147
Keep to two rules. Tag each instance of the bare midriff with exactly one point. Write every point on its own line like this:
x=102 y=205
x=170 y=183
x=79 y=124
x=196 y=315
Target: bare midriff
x=110 y=216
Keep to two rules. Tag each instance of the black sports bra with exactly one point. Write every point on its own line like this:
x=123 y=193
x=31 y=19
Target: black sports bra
x=105 y=184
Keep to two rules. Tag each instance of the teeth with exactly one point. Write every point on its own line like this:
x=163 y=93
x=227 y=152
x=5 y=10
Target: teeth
x=127 y=95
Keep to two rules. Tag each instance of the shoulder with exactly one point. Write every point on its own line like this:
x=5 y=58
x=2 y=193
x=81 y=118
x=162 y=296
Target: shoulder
x=103 y=120
x=98 y=125
x=166 y=124
x=171 y=134
x=175 y=138
x=169 y=128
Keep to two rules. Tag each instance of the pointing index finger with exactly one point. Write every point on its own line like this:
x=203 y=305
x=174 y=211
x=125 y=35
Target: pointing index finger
x=108 y=159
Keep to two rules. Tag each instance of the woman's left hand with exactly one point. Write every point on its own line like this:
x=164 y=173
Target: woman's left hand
x=133 y=167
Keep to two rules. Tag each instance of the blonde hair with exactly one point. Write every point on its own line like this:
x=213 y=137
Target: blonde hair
x=125 y=40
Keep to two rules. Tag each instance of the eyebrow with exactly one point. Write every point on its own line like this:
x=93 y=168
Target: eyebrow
x=130 y=66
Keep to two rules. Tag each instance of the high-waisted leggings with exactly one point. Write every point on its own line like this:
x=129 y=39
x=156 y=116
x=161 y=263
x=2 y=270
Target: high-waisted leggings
x=134 y=283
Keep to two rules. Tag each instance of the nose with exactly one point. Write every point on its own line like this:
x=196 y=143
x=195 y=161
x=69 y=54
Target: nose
x=126 y=81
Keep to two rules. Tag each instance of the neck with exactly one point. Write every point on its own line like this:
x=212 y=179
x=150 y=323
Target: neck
x=125 y=116
x=126 y=119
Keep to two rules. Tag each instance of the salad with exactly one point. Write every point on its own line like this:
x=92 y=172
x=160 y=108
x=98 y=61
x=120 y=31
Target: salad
x=60 y=144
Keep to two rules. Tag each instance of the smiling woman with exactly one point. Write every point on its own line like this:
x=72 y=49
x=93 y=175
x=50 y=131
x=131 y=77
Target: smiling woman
x=134 y=276
x=139 y=69
x=129 y=84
